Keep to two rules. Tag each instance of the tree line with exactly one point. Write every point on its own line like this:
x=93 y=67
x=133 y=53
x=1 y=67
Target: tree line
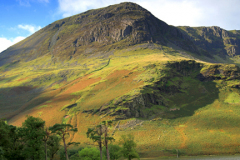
x=34 y=141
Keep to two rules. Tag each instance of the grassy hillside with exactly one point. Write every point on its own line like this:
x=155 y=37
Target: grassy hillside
x=165 y=100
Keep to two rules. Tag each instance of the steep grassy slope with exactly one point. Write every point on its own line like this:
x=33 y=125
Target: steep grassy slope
x=122 y=63
x=49 y=83
x=172 y=102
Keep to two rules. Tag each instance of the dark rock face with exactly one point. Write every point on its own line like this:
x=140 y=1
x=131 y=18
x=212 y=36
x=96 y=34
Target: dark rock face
x=181 y=39
x=118 y=22
x=215 y=40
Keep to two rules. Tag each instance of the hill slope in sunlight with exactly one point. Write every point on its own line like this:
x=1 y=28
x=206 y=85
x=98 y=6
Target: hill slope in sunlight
x=161 y=83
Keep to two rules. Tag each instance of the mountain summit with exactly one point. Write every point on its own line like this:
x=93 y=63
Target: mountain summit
x=94 y=33
x=98 y=32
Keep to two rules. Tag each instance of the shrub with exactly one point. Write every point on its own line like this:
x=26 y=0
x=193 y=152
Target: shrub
x=115 y=152
x=89 y=154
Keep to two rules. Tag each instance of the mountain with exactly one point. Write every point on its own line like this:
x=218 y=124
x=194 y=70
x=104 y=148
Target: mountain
x=172 y=87
x=215 y=40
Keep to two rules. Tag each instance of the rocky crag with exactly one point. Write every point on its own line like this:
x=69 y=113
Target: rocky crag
x=215 y=40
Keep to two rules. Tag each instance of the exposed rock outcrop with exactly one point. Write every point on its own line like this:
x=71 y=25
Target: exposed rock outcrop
x=224 y=72
x=215 y=40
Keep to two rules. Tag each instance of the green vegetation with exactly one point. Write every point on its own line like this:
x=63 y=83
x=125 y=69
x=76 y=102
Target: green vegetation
x=183 y=100
x=100 y=134
x=232 y=98
x=95 y=134
x=10 y=142
x=128 y=147
x=33 y=135
x=53 y=145
x=32 y=141
x=89 y=154
x=63 y=130
x=115 y=152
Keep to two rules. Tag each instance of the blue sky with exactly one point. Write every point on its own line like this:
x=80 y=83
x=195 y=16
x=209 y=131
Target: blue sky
x=21 y=18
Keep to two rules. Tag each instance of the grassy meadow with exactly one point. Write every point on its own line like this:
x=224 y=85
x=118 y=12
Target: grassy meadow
x=202 y=118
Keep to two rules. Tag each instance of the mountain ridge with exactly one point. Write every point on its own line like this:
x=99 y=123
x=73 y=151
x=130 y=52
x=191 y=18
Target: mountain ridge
x=100 y=30
x=214 y=39
x=113 y=27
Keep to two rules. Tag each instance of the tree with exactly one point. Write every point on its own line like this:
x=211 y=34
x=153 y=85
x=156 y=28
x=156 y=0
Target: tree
x=1 y=153
x=100 y=135
x=11 y=142
x=115 y=151
x=33 y=133
x=45 y=139
x=63 y=130
x=96 y=135
x=53 y=145
x=128 y=147
x=89 y=154
x=74 y=153
x=107 y=138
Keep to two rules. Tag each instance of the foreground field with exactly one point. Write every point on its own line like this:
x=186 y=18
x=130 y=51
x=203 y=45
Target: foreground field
x=194 y=116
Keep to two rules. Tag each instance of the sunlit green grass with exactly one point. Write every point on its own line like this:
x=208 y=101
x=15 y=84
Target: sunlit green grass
x=206 y=120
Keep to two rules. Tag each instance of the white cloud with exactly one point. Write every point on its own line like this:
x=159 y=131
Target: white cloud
x=220 y=13
x=70 y=7
x=177 y=13
x=5 y=43
x=174 y=12
x=30 y=28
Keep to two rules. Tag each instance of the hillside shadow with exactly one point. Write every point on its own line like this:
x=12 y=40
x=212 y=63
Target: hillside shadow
x=12 y=99
x=181 y=92
x=187 y=103
x=10 y=59
x=16 y=100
